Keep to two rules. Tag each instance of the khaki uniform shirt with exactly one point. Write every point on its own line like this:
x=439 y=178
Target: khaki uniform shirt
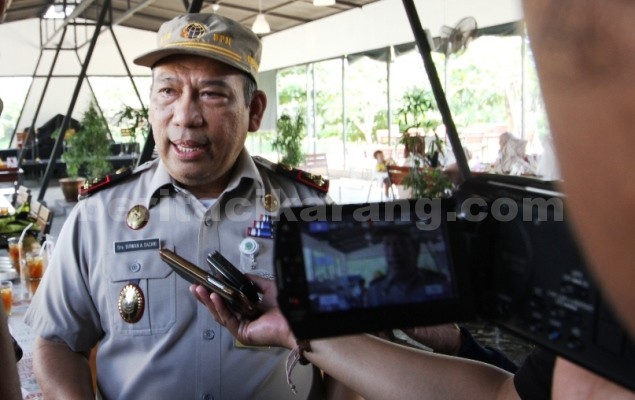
x=175 y=350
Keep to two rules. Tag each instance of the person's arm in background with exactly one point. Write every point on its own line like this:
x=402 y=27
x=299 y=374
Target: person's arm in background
x=10 y=388
x=370 y=366
x=378 y=369
x=61 y=372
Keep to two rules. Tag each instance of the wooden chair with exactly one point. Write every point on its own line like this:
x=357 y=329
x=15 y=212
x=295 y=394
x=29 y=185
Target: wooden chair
x=44 y=220
x=21 y=196
x=38 y=212
x=397 y=174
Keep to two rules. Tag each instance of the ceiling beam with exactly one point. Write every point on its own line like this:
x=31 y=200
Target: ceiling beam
x=79 y=9
x=132 y=11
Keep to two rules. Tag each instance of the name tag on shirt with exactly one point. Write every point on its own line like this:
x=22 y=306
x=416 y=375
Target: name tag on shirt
x=137 y=245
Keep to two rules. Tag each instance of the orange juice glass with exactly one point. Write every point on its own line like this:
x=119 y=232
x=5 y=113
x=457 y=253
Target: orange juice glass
x=14 y=253
x=6 y=292
x=35 y=266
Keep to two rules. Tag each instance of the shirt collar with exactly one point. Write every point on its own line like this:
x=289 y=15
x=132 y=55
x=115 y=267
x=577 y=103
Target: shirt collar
x=244 y=169
x=162 y=184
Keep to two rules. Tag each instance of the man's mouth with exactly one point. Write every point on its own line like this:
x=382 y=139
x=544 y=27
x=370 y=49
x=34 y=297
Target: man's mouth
x=189 y=150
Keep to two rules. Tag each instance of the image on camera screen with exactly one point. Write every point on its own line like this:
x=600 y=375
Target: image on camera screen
x=352 y=265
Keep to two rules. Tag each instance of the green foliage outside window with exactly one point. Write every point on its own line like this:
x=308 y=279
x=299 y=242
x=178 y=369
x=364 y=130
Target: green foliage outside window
x=290 y=132
x=417 y=111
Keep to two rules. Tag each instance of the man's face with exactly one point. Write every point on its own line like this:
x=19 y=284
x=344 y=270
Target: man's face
x=401 y=254
x=200 y=120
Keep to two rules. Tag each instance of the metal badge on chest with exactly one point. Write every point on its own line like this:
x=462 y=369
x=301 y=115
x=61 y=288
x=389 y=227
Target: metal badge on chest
x=131 y=300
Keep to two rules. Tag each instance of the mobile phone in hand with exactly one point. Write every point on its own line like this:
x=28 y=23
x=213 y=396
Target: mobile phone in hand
x=242 y=301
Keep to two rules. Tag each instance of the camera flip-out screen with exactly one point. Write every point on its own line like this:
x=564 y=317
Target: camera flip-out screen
x=359 y=268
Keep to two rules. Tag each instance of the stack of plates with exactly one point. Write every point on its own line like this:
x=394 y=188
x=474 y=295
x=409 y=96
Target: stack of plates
x=7 y=272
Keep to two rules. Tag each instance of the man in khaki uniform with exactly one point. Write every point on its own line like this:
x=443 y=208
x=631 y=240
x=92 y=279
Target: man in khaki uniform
x=106 y=284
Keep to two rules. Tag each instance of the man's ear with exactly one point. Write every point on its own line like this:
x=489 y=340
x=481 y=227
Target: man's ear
x=256 y=110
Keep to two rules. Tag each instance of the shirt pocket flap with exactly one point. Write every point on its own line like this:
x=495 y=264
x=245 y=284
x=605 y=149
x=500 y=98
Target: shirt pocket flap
x=137 y=266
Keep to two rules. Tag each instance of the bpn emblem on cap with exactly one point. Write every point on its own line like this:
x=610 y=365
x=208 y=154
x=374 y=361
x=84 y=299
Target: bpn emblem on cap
x=193 y=30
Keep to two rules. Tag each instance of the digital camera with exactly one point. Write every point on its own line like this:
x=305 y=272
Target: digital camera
x=500 y=249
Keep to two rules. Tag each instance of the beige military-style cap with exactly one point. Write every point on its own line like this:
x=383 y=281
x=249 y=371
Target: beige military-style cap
x=207 y=35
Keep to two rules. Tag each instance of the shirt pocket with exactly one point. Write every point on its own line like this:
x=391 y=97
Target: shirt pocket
x=157 y=283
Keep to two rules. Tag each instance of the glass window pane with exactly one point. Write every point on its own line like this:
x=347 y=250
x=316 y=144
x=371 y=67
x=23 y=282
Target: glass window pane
x=14 y=91
x=113 y=93
x=327 y=123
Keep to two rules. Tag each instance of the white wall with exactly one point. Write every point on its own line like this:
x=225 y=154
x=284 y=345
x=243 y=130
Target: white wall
x=377 y=25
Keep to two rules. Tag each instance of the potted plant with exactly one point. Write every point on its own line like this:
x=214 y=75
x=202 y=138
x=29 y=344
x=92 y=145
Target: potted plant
x=136 y=122
x=290 y=132
x=86 y=153
x=425 y=178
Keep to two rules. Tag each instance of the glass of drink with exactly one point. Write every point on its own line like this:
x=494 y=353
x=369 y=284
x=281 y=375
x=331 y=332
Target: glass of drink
x=6 y=292
x=33 y=269
x=14 y=252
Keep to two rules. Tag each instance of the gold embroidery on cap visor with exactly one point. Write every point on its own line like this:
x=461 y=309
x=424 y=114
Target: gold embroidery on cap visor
x=193 y=30
x=208 y=47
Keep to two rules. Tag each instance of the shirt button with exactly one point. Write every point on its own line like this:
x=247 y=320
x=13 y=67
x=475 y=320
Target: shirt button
x=136 y=267
x=208 y=334
x=209 y=222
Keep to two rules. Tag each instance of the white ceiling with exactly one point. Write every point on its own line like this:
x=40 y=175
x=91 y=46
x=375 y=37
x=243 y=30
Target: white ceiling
x=150 y=14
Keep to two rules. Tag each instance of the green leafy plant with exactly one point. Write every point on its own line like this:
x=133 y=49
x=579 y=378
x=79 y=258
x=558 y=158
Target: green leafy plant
x=417 y=110
x=290 y=132
x=427 y=182
x=87 y=149
x=418 y=115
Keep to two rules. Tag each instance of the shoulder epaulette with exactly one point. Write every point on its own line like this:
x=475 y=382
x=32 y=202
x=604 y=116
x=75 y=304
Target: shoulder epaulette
x=97 y=184
x=317 y=182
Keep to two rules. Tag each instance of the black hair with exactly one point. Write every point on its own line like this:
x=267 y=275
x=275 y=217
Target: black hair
x=249 y=88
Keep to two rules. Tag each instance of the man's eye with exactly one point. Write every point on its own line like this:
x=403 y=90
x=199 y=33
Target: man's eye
x=212 y=94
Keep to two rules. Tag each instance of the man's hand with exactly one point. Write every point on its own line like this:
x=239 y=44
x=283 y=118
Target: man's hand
x=444 y=339
x=269 y=329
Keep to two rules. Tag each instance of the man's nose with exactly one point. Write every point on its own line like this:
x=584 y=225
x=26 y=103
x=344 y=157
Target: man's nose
x=187 y=112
